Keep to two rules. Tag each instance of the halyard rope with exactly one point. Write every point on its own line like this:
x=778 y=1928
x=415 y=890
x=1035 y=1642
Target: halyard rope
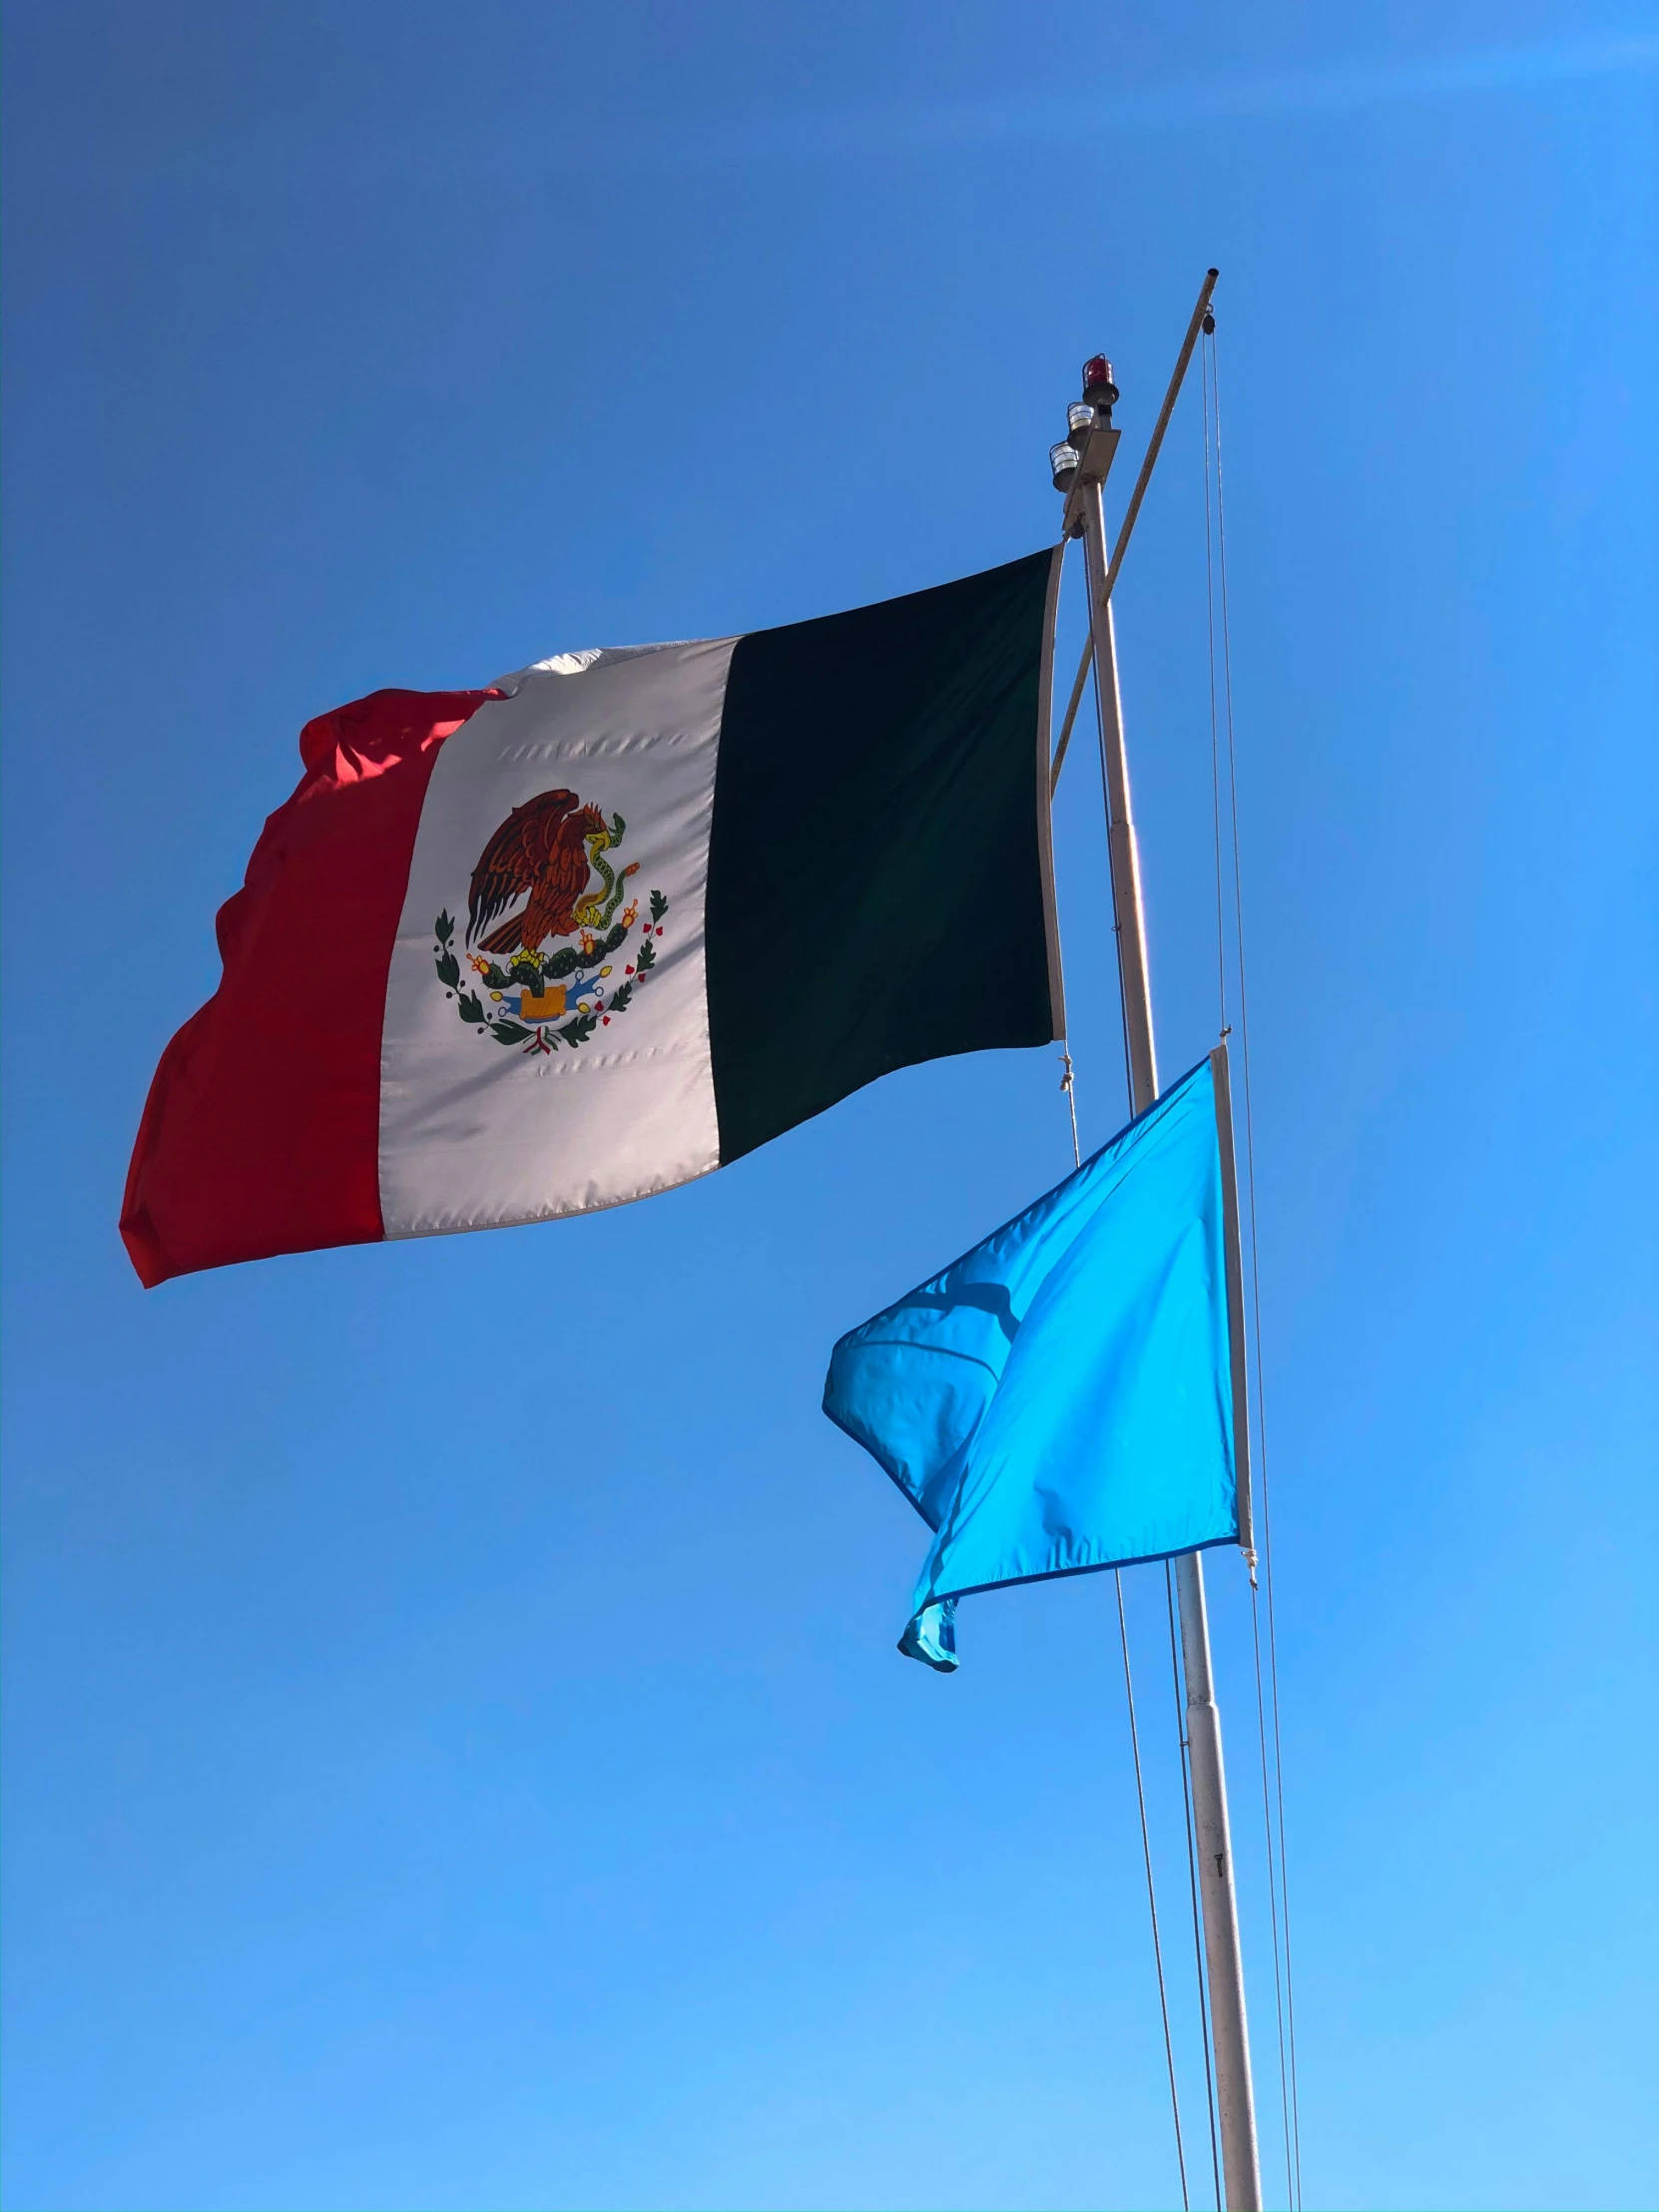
x=1267 y=1711
x=1068 y=1083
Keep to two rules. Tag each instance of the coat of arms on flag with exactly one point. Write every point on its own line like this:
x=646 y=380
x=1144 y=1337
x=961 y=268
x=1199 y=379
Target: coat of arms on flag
x=551 y=847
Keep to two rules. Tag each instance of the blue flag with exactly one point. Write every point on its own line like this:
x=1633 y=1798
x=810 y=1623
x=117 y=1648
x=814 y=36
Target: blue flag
x=1069 y=1395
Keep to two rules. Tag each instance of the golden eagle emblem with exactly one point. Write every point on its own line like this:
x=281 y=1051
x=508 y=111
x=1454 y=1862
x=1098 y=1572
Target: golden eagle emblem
x=549 y=852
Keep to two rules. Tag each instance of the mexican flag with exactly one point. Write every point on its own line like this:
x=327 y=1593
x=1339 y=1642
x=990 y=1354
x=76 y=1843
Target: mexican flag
x=610 y=923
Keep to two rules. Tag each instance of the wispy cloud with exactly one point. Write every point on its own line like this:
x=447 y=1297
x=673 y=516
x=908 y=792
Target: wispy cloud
x=900 y=126
x=577 y=140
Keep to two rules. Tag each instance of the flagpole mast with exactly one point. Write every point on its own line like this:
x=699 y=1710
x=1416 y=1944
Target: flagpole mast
x=1229 y=2030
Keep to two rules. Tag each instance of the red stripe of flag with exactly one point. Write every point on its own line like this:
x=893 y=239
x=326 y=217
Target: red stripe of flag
x=262 y=1130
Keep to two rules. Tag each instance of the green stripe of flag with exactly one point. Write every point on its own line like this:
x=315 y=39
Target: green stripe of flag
x=879 y=887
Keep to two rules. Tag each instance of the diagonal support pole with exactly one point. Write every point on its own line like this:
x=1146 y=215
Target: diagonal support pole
x=1131 y=512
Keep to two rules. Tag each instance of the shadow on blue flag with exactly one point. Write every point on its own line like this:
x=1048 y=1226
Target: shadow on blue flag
x=1069 y=1394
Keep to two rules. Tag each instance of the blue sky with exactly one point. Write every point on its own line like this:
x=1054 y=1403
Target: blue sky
x=423 y=1796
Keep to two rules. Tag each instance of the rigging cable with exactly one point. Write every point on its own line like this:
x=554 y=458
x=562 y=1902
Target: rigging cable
x=1151 y=1897
x=1285 y=2005
x=1185 y=1748
x=1210 y=498
x=1215 y=737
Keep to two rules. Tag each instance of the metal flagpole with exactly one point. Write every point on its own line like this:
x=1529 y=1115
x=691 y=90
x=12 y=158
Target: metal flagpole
x=1092 y=433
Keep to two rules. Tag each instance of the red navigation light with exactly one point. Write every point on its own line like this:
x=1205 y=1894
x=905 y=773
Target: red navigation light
x=1097 y=381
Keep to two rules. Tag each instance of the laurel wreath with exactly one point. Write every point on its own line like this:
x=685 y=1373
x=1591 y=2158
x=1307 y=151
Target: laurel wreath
x=534 y=971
